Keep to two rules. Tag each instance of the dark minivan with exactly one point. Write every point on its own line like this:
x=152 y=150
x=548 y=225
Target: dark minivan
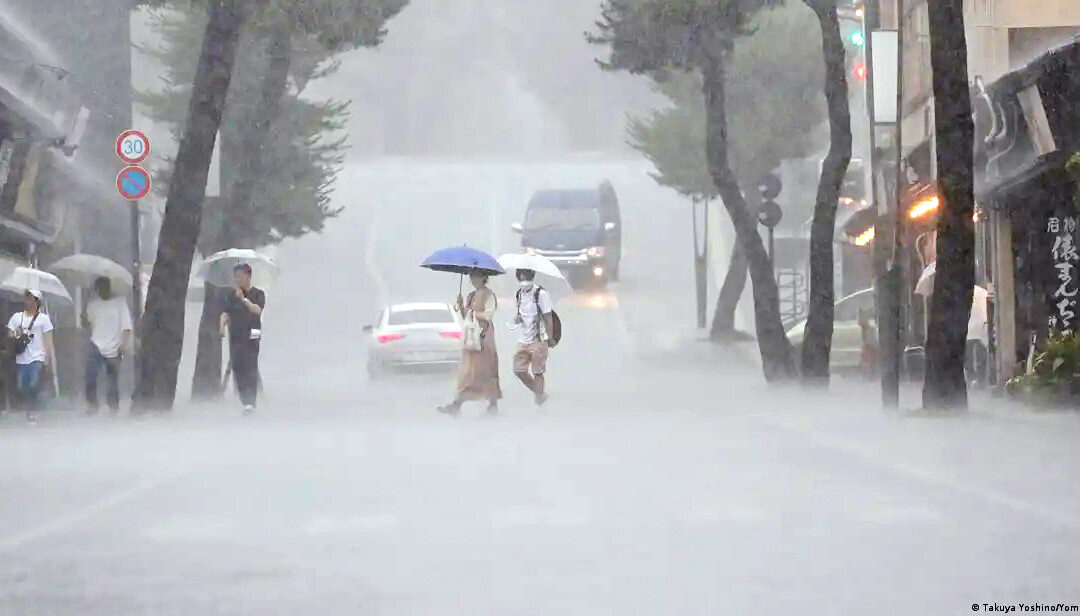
x=579 y=230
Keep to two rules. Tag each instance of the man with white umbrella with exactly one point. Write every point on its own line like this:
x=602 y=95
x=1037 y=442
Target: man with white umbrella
x=109 y=320
x=30 y=336
x=243 y=320
x=535 y=322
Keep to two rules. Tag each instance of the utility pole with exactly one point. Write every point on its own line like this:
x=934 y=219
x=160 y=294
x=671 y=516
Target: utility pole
x=891 y=323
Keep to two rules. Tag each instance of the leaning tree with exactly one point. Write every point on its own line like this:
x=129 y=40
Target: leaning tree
x=646 y=36
x=779 y=84
x=339 y=24
x=162 y=326
x=292 y=40
x=300 y=159
x=817 y=343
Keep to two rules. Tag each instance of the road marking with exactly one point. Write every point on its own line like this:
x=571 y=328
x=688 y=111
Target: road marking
x=924 y=475
x=621 y=327
x=78 y=516
x=379 y=522
x=369 y=254
x=493 y=209
x=720 y=514
x=538 y=516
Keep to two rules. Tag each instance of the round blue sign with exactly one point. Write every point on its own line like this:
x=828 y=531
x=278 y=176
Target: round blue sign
x=133 y=183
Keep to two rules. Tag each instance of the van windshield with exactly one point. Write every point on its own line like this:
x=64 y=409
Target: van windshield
x=562 y=219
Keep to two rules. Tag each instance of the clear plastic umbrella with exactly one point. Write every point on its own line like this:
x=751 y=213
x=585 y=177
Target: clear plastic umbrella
x=217 y=269
x=85 y=269
x=24 y=278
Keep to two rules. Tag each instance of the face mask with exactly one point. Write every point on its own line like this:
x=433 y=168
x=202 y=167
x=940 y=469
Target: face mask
x=526 y=284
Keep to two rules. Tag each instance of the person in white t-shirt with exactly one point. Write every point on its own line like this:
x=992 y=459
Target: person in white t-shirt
x=534 y=317
x=30 y=332
x=109 y=321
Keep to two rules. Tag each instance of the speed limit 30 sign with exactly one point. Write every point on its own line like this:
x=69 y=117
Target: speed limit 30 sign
x=133 y=147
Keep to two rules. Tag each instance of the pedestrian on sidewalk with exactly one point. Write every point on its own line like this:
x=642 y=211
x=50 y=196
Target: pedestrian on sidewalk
x=30 y=336
x=242 y=319
x=109 y=320
x=535 y=321
x=478 y=373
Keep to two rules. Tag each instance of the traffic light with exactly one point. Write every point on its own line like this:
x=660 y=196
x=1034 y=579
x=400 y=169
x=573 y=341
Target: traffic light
x=857 y=38
x=859 y=71
x=769 y=212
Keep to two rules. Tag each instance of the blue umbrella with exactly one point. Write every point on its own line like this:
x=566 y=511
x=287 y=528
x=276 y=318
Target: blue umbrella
x=463 y=260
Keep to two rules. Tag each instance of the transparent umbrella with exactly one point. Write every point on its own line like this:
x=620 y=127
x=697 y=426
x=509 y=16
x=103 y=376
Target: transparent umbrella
x=24 y=278
x=217 y=269
x=85 y=269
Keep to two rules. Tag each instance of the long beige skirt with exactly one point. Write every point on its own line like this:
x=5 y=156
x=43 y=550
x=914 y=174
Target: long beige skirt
x=478 y=374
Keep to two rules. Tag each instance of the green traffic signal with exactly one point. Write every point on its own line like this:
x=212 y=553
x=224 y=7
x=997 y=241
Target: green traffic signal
x=857 y=38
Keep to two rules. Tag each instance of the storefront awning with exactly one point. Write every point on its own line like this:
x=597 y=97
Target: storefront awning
x=33 y=84
x=1027 y=122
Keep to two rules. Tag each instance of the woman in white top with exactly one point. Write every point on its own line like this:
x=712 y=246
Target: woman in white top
x=30 y=333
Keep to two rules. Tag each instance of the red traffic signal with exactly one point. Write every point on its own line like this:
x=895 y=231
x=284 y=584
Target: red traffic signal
x=860 y=72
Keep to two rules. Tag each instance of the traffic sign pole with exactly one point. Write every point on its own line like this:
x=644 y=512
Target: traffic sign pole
x=133 y=183
x=133 y=147
x=136 y=265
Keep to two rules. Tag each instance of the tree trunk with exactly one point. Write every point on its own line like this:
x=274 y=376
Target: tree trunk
x=817 y=343
x=206 y=382
x=239 y=209
x=950 y=304
x=163 y=322
x=731 y=291
x=723 y=325
x=773 y=345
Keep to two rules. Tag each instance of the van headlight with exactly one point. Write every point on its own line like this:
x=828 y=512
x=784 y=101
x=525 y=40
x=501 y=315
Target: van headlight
x=596 y=252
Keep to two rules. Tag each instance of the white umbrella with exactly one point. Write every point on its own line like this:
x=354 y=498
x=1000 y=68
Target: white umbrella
x=85 y=269
x=24 y=278
x=217 y=269
x=548 y=274
x=925 y=285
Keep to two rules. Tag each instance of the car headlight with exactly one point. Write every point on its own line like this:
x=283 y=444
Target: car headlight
x=596 y=252
x=529 y=250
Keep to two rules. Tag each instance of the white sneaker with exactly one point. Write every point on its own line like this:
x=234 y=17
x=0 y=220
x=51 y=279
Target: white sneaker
x=249 y=409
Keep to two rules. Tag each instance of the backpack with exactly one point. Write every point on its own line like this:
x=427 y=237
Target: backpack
x=555 y=335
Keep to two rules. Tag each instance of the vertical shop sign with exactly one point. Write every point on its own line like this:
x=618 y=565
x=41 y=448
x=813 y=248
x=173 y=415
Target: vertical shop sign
x=1064 y=252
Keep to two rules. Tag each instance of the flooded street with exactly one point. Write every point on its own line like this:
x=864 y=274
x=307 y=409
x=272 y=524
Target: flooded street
x=663 y=477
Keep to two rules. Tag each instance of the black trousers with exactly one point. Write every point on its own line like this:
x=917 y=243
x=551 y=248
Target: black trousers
x=244 y=355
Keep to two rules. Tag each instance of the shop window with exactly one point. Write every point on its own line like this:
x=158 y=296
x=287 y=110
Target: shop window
x=9 y=194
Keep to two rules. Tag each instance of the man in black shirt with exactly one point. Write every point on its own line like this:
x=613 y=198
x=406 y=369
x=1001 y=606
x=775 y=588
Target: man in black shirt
x=243 y=319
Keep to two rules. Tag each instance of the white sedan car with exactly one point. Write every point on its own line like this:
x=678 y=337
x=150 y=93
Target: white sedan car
x=421 y=334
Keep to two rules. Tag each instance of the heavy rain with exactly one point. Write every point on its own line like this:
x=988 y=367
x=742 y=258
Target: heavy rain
x=566 y=307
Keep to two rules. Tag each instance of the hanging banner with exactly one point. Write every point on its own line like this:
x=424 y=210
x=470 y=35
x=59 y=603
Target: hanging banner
x=1062 y=308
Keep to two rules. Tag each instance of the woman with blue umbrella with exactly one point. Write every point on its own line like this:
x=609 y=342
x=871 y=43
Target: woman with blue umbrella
x=478 y=373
